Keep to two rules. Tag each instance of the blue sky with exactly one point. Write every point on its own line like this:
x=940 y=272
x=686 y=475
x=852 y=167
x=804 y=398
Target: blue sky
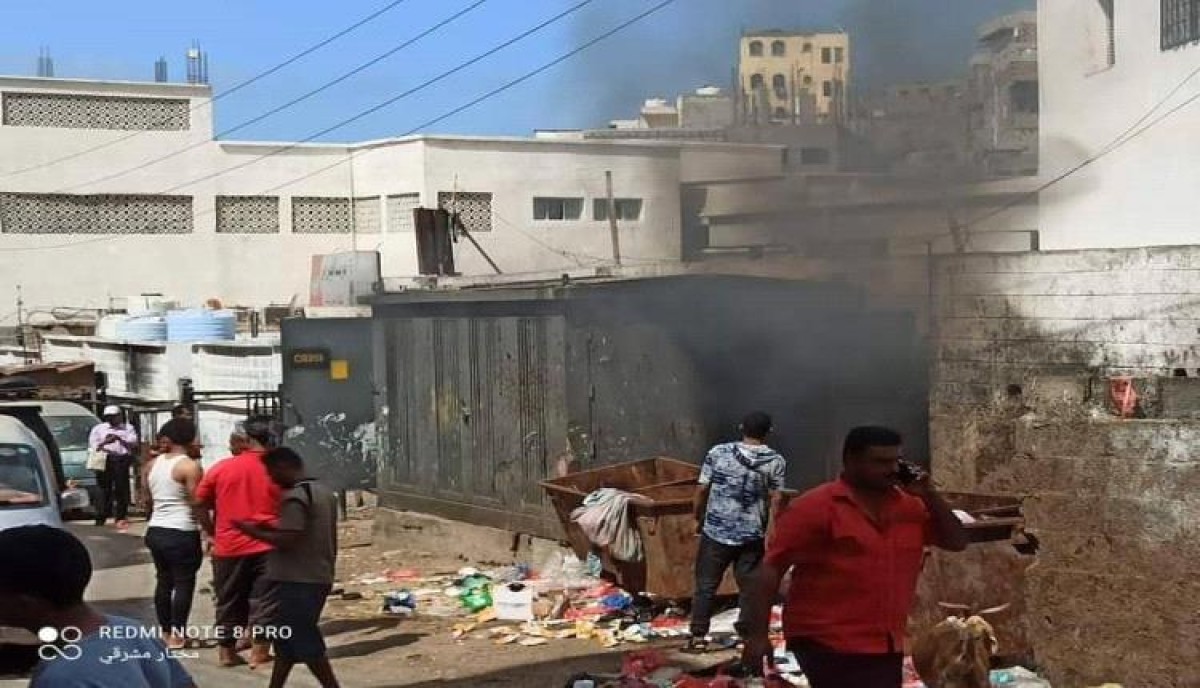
x=689 y=44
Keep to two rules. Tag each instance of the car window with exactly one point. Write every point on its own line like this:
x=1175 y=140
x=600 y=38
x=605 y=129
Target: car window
x=21 y=481
x=71 y=432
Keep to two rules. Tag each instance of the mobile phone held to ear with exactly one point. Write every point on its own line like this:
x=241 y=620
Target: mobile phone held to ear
x=909 y=473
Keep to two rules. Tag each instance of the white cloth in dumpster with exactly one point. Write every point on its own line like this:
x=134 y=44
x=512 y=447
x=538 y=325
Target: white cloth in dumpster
x=604 y=518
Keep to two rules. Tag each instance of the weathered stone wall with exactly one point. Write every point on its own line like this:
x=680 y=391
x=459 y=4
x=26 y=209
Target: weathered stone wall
x=1024 y=347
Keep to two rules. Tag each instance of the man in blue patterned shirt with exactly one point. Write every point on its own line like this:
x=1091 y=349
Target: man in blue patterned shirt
x=737 y=484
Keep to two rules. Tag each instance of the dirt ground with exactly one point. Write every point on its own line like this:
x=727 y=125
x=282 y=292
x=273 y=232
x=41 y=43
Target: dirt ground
x=371 y=647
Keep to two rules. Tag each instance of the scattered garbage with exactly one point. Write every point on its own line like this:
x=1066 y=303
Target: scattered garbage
x=513 y=602
x=605 y=519
x=401 y=603
x=1017 y=677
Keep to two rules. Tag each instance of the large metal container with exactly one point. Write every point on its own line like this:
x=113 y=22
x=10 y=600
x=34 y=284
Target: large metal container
x=667 y=526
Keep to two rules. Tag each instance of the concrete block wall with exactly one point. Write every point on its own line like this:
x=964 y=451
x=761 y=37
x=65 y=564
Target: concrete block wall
x=1024 y=345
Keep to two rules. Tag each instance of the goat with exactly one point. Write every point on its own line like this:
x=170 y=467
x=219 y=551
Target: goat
x=957 y=652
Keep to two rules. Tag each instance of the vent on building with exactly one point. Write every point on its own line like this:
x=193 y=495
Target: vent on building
x=247 y=214
x=71 y=111
x=100 y=214
x=321 y=215
x=474 y=208
x=400 y=212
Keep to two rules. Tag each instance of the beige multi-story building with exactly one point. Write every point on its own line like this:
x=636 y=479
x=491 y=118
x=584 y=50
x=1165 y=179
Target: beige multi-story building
x=793 y=76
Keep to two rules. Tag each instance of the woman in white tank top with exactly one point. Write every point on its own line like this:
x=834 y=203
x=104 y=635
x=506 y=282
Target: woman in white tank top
x=172 y=536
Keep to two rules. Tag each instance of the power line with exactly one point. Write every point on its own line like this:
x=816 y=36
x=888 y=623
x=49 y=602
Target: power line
x=1121 y=139
x=230 y=91
x=529 y=75
x=462 y=108
x=386 y=103
x=276 y=110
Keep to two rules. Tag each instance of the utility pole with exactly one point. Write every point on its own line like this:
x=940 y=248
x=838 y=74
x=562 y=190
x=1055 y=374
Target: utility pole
x=612 y=219
x=21 y=326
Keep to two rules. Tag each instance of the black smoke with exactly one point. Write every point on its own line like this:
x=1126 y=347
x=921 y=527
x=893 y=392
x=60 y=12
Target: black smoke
x=694 y=42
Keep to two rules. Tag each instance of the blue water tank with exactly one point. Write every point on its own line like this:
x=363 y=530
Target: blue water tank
x=201 y=326
x=149 y=328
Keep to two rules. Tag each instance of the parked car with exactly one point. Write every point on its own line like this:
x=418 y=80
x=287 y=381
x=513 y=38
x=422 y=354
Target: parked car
x=32 y=492
x=71 y=423
x=29 y=489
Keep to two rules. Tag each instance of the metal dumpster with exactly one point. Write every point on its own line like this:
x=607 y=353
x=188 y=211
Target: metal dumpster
x=667 y=526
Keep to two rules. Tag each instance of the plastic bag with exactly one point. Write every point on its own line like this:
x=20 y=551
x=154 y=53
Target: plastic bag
x=1017 y=677
x=476 y=599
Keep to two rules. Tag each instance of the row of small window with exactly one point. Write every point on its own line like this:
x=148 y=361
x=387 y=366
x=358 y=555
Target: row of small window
x=779 y=85
x=831 y=55
x=26 y=213
x=566 y=209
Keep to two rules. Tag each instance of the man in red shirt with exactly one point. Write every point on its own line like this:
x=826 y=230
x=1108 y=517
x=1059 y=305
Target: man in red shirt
x=855 y=547
x=240 y=489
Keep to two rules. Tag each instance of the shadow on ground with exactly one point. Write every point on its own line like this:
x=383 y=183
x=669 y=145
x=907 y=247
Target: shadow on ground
x=110 y=549
x=374 y=625
x=137 y=608
x=360 y=648
x=550 y=674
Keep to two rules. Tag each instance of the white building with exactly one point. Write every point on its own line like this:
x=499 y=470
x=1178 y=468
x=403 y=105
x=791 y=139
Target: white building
x=1104 y=68
x=112 y=189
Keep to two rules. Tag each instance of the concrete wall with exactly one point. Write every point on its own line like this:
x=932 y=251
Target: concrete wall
x=1144 y=193
x=1113 y=502
x=257 y=269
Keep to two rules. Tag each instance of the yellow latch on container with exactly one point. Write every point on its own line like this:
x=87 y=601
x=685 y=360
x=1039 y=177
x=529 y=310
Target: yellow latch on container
x=339 y=370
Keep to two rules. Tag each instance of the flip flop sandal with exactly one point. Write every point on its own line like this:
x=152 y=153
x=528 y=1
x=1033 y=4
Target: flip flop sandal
x=696 y=646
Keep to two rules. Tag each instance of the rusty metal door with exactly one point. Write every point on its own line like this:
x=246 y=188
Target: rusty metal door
x=475 y=416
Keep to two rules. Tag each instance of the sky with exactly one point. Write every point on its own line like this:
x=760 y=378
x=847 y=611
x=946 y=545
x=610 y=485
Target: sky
x=688 y=44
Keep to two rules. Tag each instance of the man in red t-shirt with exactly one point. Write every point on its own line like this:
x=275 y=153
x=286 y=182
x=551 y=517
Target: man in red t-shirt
x=855 y=547
x=240 y=489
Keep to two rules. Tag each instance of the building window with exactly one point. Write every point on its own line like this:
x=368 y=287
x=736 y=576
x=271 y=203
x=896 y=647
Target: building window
x=756 y=49
x=1024 y=95
x=827 y=89
x=779 y=83
x=808 y=47
x=551 y=208
x=247 y=215
x=826 y=55
x=778 y=49
x=815 y=156
x=367 y=218
x=70 y=111
x=1180 y=23
x=400 y=212
x=628 y=209
x=474 y=208
x=321 y=215
x=839 y=55
x=1101 y=35
x=756 y=82
x=23 y=213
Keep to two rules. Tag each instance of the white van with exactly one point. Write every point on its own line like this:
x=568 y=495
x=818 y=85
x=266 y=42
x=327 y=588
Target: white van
x=29 y=492
x=71 y=424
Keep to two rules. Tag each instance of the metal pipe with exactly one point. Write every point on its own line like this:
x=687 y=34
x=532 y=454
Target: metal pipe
x=612 y=218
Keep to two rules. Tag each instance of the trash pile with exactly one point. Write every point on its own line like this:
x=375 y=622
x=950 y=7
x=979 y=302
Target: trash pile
x=649 y=669
x=519 y=605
